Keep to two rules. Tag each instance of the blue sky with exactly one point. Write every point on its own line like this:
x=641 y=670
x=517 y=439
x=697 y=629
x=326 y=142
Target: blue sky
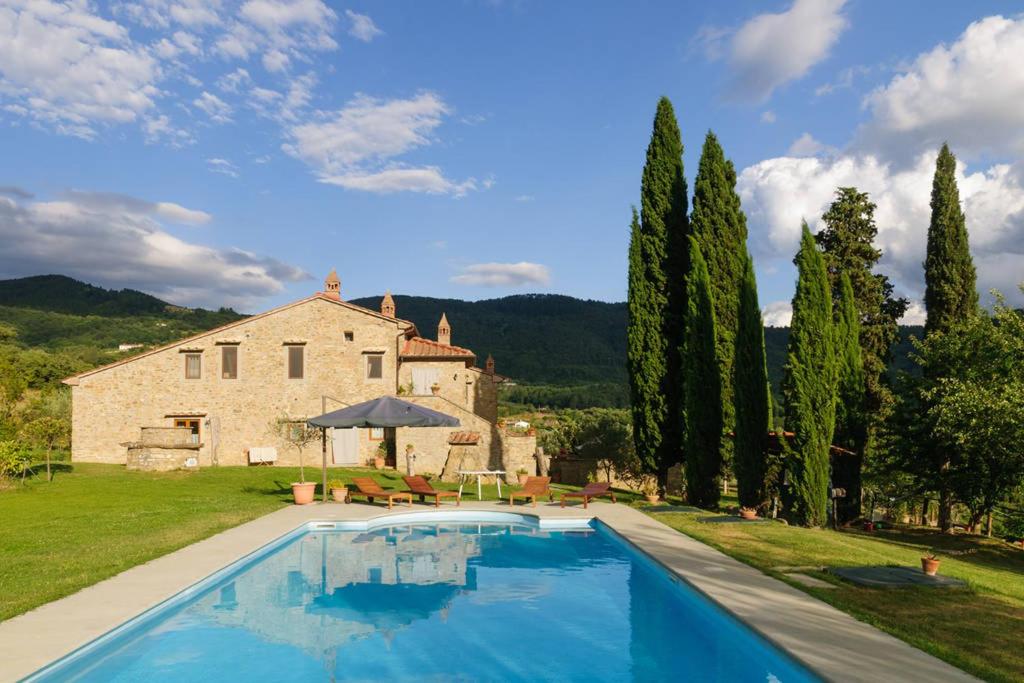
x=234 y=152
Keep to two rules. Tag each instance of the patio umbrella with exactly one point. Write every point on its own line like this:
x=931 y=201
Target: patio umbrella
x=386 y=411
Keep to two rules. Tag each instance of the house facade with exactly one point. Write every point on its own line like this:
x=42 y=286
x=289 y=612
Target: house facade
x=221 y=391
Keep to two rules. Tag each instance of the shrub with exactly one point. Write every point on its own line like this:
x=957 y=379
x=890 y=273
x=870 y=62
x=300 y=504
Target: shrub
x=14 y=460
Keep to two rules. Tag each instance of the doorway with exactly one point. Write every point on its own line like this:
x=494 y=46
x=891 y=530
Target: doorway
x=391 y=457
x=191 y=424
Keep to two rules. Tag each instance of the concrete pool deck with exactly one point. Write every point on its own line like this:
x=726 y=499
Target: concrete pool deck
x=833 y=644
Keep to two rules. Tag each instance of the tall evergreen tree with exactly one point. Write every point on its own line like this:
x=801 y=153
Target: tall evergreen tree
x=657 y=299
x=851 y=425
x=950 y=294
x=720 y=227
x=809 y=388
x=751 y=397
x=703 y=388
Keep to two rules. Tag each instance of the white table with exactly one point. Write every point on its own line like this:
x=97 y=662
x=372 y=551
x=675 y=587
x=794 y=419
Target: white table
x=479 y=474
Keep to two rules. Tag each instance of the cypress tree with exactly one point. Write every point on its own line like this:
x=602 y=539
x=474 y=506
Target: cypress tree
x=657 y=299
x=718 y=223
x=703 y=388
x=751 y=397
x=950 y=294
x=851 y=427
x=809 y=388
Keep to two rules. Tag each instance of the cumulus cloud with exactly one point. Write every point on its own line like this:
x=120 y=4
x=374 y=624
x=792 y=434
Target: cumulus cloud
x=970 y=93
x=773 y=49
x=778 y=193
x=503 y=275
x=362 y=27
x=807 y=146
x=777 y=314
x=120 y=241
x=217 y=109
x=358 y=147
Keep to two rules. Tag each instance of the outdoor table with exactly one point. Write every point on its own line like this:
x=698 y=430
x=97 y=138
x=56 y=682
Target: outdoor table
x=479 y=475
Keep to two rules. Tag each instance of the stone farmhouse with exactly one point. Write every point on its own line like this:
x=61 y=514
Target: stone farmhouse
x=211 y=399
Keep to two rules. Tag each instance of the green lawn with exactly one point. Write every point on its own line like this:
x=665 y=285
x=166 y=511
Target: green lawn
x=94 y=521
x=979 y=629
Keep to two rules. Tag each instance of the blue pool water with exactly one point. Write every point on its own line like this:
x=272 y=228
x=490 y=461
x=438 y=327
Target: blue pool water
x=444 y=601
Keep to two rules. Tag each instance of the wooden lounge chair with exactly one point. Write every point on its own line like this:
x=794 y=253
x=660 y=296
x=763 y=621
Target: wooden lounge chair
x=534 y=486
x=592 y=490
x=370 y=489
x=418 y=486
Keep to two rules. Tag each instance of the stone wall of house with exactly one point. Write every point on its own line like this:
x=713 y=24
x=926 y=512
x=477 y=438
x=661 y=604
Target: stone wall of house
x=163 y=449
x=111 y=405
x=467 y=387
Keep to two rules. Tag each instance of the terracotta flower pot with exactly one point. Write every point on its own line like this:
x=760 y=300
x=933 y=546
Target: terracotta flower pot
x=378 y=463
x=748 y=513
x=652 y=498
x=930 y=566
x=523 y=478
x=340 y=495
x=303 y=493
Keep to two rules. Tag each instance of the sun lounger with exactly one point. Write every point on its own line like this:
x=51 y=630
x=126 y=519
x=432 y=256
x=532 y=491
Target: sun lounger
x=418 y=486
x=534 y=486
x=370 y=489
x=589 y=492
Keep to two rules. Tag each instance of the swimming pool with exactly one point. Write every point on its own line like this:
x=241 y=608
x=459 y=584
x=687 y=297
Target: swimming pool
x=498 y=598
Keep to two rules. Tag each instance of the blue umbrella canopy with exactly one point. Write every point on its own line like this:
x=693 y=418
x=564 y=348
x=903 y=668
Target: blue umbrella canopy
x=386 y=411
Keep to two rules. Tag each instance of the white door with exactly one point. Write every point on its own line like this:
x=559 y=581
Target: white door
x=345 y=446
x=423 y=379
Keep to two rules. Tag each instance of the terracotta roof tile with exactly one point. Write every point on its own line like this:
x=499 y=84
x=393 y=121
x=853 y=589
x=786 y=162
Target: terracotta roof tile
x=464 y=438
x=418 y=347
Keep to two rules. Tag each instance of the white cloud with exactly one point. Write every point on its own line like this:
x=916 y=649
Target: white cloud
x=778 y=193
x=217 y=109
x=525 y=198
x=503 y=275
x=807 y=146
x=233 y=82
x=119 y=241
x=915 y=315
x=844 y=80
x=160 y=129
x=773 y=49
x=970 y=93
x=362 y=27
x=70 y=69
x=777 y=314
x=357 y=147
x=283 y=30
x=275 y=61
x=768 y=117
x=428 y=179
x=222 y=166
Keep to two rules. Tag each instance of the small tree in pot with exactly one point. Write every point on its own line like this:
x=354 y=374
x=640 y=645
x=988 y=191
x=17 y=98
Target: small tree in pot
x=298 y=435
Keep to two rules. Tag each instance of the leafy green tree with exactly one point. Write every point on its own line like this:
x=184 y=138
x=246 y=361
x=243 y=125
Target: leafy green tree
x=809 y=388
x=720 y=228
x=950 y=295
x=14 y=460
x=47 y=434
x=847 y=243
x=606 y=436
x=703 y=387
x=971 y=395
x=851 y=419
x=656 y=299
x=751 y=398
x=295 y=433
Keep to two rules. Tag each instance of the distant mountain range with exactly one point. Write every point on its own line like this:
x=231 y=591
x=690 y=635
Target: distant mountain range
x=537 y=339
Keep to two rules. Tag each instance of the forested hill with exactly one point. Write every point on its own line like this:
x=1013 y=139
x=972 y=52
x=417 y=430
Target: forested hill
x=537 y=338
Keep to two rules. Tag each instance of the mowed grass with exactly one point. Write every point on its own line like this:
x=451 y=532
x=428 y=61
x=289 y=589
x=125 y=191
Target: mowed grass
x=979 y=628
x=94 y=521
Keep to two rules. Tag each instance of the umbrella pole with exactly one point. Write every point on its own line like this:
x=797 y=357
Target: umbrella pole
x=323 y=454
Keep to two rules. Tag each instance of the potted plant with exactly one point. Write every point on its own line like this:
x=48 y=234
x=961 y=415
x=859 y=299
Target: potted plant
x=339 y=492
x=381 y=456
x=297 y=434
x=930 y=564
x=650 y=491
x=748 y=513
x=435 y=388
x=523 y=476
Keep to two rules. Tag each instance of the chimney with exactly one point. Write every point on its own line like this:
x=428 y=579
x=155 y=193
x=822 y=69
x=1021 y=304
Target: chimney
x=387 y=305
x=332 y=286
x=444 y=331
x=489 y=365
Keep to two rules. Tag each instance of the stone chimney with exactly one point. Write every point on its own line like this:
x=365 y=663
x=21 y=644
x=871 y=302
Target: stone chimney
x=387 y=305
x=444 y=331
x=332 y=286
x=489 y=365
